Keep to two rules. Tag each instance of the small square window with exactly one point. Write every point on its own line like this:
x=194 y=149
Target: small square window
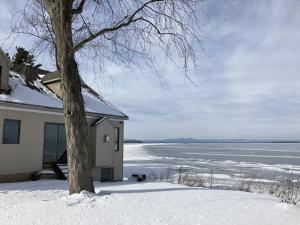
x=11 y=131
x=107 y=174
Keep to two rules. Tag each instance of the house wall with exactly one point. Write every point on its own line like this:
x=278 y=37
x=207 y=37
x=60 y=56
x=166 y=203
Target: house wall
x=118 y=155
x=4 y=74
x=104 y=153
x=27 y=156
x=19 y=161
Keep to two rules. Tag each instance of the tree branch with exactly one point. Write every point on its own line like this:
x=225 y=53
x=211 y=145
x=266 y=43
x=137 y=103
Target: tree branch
x=79 y=9
x=158 y=30
x=119 y=25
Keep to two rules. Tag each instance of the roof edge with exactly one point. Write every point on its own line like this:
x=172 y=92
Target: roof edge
x=55 y=110
x=51 y=81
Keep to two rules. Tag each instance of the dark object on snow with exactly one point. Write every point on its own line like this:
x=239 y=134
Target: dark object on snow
x=35 y=176
x=140 y=177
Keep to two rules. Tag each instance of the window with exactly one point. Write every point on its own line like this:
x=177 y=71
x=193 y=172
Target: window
x=0 y=74
x=107 y=174
x=54 y=142
x=117 y=139
x=11 y=131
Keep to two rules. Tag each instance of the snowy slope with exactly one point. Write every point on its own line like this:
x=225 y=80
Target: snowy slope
x=23 y=94
x=96 y=105
x=44 y=97
x=47 y=202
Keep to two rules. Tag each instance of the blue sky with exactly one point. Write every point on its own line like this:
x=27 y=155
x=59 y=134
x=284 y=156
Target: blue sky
x=248 y=84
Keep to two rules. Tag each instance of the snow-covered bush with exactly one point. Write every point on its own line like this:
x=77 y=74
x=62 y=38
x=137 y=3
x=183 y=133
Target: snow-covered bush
x=190 y=179
x=288 y=190
x=285 y=188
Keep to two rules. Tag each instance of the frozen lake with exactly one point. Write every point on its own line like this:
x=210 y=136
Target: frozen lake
x=228 y=161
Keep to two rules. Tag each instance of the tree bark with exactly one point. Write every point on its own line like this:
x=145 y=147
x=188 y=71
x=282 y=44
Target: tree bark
x=79 y=163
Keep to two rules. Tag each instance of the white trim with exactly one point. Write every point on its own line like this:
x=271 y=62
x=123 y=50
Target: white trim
x=50 y=81
x=115 y=119
x=100 y=121
x=37 y=111
x=108 y=119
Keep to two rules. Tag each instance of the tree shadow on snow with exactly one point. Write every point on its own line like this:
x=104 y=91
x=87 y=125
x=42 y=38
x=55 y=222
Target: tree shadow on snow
x=53 y=185
x=109 y=192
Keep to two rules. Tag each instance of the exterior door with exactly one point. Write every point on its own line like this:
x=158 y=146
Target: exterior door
x=54 y=142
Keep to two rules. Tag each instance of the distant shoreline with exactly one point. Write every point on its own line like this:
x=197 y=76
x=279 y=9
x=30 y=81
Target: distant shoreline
x=209 y=141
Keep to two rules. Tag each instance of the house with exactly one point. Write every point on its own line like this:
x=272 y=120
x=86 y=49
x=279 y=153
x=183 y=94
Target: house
x=32 y=125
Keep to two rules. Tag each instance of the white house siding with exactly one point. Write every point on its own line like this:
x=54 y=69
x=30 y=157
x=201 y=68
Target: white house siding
x=105 y=155
x=27 y=156
x=118 y=155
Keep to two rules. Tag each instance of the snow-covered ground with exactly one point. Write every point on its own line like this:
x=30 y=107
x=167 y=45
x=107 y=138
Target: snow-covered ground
x=47 y=202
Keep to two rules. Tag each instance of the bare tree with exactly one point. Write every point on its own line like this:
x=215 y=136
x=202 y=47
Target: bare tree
x=120 y=31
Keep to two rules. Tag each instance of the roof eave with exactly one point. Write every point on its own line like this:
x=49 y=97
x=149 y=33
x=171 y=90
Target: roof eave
x=51 y=81
x=57 y=110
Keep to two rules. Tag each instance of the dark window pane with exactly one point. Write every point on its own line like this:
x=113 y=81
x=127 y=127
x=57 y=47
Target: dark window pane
x=61 y=144
x=11 y=131
x=117 y=138
x=50 y=143
x=55 y=142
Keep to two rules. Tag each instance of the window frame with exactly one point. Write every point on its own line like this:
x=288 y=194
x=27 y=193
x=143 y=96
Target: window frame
x=1 y=68
x=117 y=139
x=57 y=139
x=19 y=132
x=105 y=172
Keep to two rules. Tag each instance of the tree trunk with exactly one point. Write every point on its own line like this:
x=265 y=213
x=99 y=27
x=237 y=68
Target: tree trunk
x=80 y=170
x=79 y=163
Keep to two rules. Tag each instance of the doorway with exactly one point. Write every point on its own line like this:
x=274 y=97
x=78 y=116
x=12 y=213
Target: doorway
x=54 y=142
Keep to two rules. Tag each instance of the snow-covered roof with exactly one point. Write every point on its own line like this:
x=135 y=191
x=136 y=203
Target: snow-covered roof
x=37 y=94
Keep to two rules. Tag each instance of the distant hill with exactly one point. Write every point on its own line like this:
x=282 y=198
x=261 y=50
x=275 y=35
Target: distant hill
x=132 y=141
x=193 y=140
